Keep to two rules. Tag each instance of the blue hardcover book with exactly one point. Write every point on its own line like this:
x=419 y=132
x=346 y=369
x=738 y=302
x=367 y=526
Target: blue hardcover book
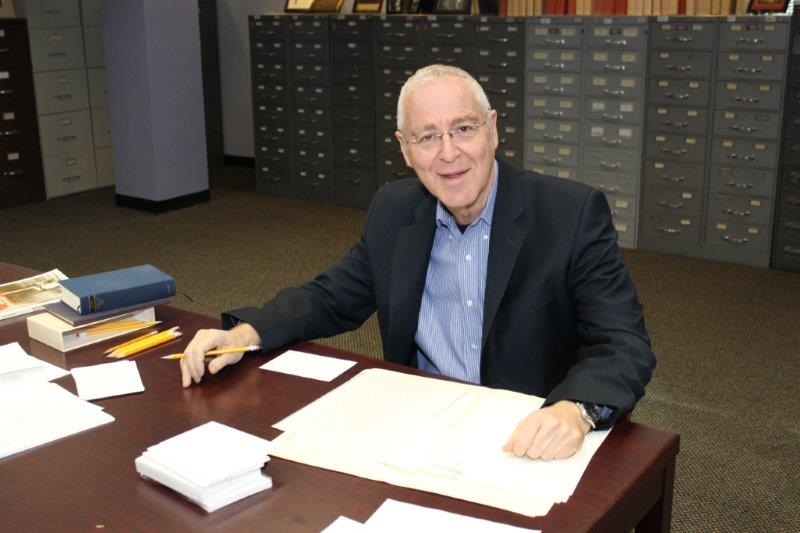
x=116 y=289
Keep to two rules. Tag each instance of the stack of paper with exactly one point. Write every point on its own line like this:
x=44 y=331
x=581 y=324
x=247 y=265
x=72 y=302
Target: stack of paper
x=212 y=465
x=432 y=435
x=17 y=366
x=106 y=380
x=36 y=412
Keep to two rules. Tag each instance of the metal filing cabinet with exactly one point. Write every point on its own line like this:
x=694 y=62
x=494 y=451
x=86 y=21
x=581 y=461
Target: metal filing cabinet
x=212 y=98
x=353 y=109
x=786 y=225
x=614 y=65
x=21 y=175
x=553 y=95
x=499 y=57
x=677 y=135
x=61 y=85
x=398 y=54
x=269 y=57
x=751 y=64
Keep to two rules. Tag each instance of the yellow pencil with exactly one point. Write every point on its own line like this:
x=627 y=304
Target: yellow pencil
x=112 y=327
x=128 y=343
x=146 y=343
x=220 y=351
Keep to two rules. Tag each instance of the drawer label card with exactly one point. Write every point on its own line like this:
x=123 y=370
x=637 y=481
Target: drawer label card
x=13 y=156
x=8 y=115
x=687 y=195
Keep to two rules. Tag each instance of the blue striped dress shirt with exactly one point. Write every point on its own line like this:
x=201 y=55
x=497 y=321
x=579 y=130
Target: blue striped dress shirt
x=450 y=323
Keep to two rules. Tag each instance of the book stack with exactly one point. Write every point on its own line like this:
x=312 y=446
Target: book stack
x=212 y=465
x=102 y=306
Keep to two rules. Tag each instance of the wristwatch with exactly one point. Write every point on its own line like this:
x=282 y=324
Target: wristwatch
x=590 y=412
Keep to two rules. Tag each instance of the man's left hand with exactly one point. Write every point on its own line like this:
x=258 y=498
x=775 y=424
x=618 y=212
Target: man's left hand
x=554 y=432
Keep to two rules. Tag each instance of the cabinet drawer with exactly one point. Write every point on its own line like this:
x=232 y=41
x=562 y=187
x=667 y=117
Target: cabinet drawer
x=359 y=117
x=101 y=126
x=264 y=72
x=312 y=138
x=399 y=30
x=789 y=202
x=790 y=177
x=351 y=176
x=65 y=132
x=270 y=51
x=747 y=124
x=557 y=172
x=56 y=49
x=104 y=163
x=309 y=52
x=14 y=43
x=356 y=137
x=753 y=35
x=683 y=35
x=69 y=173
x=349 y=28
x=613 y=86
x=674 y=174
x=559 y=61
x=503 y=85
x=355 y=156
x=751 y=66
x=61 y=91
x=91 y=10
x=687 y=148
x=612 y=135
x=613 y=110
x=311 y=95
x=555 y=35
x=738 y=180
x=271 y=94
x=50 y=13
x=273 y=114
x=18 y=128
x=553 y=84
x=399 y=55
x=269 y=28
x=694 y=92
x=553 y=107
x=744 y=152
x=500 y=59
x=553 y=131
x=788 y=227
x=632 y=37
x=551 y=154
x=392 y=78
x=449 y=32
x=672 y=201
x=459 y=56
x=93 y=44
x=675 y=227
x=357 y=73
x=611 y=182
x=15 y=86
x=500 y=32
x=313 y=161
x=615 y=61
x=352 y=51
x=677 y=119
x=739 y=235
x=622 y=207
x=311 y=73
x=786 y=254
x=746 y=209
x=622 y=161
x=98 y=87
x=680 y=64
x=749 y=95
x=309 y=28
x=354 y=95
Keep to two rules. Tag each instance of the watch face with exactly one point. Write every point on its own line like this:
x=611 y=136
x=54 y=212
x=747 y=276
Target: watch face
x=594 y=411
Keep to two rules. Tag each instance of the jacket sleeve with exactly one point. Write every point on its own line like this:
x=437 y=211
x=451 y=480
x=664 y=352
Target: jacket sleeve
x=615 y=360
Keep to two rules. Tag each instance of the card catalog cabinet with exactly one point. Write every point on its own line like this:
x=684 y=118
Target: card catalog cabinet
x=21 y=174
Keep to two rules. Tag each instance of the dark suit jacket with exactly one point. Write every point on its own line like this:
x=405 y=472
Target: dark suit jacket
x=561 y=315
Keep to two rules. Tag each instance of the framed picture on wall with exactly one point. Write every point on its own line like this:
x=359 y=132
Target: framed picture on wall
x=327 y=6
x=394 y=7
x=453 y=6
x=294 y=6
x=767 y=6
x=413 y=6
x=367 y=6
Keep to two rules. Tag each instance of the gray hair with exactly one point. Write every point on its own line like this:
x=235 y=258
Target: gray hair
x=435 y=73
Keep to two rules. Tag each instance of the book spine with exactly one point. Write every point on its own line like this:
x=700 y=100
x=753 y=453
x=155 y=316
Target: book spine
x=131 y=296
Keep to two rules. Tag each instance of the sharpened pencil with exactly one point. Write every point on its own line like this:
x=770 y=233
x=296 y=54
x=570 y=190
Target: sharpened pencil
x=128 y=343
x=146 y=343
x=220 y=351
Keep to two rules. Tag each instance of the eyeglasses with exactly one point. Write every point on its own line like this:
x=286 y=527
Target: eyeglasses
x=460 y=133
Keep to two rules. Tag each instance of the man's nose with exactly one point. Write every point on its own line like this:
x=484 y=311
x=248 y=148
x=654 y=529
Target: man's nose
x=449 y=150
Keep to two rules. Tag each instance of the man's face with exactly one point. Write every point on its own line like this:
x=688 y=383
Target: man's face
x=458 y=173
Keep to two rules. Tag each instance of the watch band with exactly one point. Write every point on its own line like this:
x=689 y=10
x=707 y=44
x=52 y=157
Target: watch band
x=585 y=415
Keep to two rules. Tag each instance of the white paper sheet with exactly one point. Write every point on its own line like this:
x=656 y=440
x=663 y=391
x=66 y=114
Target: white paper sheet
x=17 y=366
x=395 y=516
x=308 y=365
x=345 y=525
x=108 y=379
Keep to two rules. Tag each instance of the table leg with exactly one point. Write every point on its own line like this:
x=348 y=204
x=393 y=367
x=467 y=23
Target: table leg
x=659 y=517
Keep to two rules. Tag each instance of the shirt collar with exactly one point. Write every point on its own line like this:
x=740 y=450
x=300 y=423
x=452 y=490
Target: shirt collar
x=445 y=218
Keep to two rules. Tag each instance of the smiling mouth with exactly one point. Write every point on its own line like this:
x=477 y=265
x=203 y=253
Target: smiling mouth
x=452 y=175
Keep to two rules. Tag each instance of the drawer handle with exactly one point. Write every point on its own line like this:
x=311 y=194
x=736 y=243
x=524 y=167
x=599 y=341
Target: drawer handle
x=612 y=117
x=400 y=173
x=555 y=41
x=605 y=187
x=8 y=133
x=792 y=225
x=678 y=96
x=672 y=151
x=791 y=250
x=312 y=184
x=616 y=42
x=12 y=173
x=793 y=200
x=66 y=138
x=744 y=129
x=614 y=68
x=62 y=97
x=551 y=137
x=679 y=68
x=398 y=58
x=355 y=181
x=737 y=157
x=498 y=91
x=57 y=54
x=668 y=231
x=502 y=40
x=737 y=184
x=671 y=205
x=444 y=35
x=354 y=160
x=399 y=34
x=680 y=39
x=275 y=179
x=71 y=179
x=748 y=70
x=549 y=113
x=555 y=66
x=609 y=92
x=672 y=179
x=554 y=90
x=746 y=100
x=547 y=159
x=745 y=40
x=735 y=240
x=6 y=92
x=735 y=213
x=673 y=124
x=610 y=166
x=611 y=142
x=499 y=65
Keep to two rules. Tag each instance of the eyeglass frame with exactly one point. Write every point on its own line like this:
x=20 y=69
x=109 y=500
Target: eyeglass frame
x=439 y=135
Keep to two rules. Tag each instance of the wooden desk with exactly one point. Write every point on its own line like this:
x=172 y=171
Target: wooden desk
x=88 y=480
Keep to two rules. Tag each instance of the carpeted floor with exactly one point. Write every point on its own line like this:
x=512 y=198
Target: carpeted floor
x=727 y=337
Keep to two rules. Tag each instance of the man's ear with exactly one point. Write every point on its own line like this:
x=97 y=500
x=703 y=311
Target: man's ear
x=403 y=148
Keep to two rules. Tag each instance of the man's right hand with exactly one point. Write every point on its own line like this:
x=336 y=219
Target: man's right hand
x=193 y=362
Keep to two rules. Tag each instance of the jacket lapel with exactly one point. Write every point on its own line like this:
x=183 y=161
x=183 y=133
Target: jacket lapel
x=505 y=245
x=412 y=252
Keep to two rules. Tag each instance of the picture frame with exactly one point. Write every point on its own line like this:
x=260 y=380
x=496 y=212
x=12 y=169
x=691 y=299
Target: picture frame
x=326 y=6
x=298 y=6
x=367 y=6
x=767 y=6
x=454 y=7
x=413 y=6
x=395 y=7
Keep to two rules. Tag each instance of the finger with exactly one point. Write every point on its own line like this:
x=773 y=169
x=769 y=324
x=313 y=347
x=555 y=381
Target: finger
x=186 y=376
x=216 y=364
x=544 y=437
x=527 y=433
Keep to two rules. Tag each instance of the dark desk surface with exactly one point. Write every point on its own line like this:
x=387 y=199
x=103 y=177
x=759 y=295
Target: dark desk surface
x=88 y=480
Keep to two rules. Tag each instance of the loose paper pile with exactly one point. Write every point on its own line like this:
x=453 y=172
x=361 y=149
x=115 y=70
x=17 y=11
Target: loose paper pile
x=17 y=366
x=108 y=379
x=431 y=435
x=212 y=465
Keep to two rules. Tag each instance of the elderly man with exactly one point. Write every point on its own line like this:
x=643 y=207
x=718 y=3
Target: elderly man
x=478 y=271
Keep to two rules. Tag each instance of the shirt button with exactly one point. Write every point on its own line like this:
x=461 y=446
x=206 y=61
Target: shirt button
x=450 y=237
x=485 y=237
x=474 y=346
x=469 y=303
x=468 y=258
